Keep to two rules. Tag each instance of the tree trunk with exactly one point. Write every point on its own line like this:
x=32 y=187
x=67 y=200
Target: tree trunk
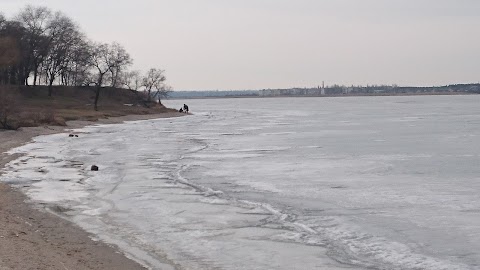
x=97 y=92
x=115 y=77
x=35 y=75
x=50 y=86
x=25 y=73
x=97 y=95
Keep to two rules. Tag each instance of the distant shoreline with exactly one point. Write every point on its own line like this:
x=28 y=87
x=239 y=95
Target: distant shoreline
x=335 y=91
x=342 y=95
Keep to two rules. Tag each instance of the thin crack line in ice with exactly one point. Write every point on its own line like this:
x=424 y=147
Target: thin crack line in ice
x=343 y=246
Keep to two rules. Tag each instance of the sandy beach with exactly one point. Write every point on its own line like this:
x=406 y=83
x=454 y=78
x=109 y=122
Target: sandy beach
x=35 y=239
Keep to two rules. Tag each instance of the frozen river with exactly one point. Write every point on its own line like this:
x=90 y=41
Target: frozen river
x=280 y=183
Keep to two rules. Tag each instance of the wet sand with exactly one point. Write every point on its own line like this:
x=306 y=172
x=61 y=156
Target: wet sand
x=35 y=239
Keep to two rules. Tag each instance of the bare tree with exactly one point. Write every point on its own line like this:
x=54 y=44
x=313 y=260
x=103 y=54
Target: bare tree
x=52 y=48
x=119 y=52
x=105 y=58
x=63 y=34
x=153 y=80
x=163 y=92
x=132 y=80
x=102 y=62
x=68 y=45
x=13 y=44
x=9 y=51
x=35 y=21
x=76 y=65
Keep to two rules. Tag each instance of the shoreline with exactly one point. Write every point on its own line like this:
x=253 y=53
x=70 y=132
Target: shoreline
x=31 y=238
x=333 y=96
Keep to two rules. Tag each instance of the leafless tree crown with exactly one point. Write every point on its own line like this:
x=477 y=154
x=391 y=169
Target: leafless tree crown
x=39 y=46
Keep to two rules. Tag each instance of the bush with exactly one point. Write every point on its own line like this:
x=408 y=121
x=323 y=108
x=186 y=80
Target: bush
x=43 y=117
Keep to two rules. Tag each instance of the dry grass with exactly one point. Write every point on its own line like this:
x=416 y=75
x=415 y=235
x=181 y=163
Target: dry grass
x=33 y=107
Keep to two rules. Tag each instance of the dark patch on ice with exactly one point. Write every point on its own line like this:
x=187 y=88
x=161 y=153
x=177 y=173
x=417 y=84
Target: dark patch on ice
x=64 y=180
x=231 y=134
x=161 y=178
x=54 y=160
x=180 y=212
x=255 y=213
x=72 y=165
x=406 y=102
x=173 y=186
x=313 y=212
x=76 y=164
x=470 y=211
x=339 y=187
x=59 y=209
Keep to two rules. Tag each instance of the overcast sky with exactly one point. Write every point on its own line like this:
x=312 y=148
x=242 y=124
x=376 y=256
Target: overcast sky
x=256 y=44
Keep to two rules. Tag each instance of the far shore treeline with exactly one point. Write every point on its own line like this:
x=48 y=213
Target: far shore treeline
x=39 y=46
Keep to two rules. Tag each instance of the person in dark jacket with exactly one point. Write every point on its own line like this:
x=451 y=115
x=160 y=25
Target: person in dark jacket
x=185 y=108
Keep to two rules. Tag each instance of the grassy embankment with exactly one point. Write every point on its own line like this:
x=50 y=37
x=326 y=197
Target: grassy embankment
x=31 y=106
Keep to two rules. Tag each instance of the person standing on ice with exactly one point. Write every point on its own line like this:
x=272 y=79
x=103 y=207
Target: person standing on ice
x=185 y=108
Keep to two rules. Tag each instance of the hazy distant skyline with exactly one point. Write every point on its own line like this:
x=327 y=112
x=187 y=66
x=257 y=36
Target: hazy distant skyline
x=256 y=44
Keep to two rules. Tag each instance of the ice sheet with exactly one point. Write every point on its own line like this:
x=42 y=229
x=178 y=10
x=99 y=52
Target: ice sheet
x=329 y=183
